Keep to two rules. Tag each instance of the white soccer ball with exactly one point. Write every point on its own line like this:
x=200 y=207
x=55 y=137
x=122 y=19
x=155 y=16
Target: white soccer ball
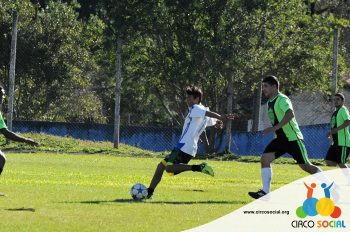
x=138 y=191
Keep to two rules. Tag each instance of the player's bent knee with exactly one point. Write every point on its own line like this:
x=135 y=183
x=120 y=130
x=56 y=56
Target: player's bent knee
x=266 y=160
x=169 y=169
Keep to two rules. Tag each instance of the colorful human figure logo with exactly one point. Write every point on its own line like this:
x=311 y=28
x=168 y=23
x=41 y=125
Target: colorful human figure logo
x=323 y=206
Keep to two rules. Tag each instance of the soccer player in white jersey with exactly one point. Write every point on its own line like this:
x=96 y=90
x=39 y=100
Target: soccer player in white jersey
x=199 y=117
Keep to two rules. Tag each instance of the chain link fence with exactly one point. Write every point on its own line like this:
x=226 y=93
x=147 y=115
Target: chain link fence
x=164 y=139
x=254 y=143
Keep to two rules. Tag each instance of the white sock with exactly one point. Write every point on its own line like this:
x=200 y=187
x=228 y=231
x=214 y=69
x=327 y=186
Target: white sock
x=266 y=175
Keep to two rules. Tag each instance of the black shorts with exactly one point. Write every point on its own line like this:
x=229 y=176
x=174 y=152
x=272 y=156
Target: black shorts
x=177 y=157
x=338 y=154
x=295 y=148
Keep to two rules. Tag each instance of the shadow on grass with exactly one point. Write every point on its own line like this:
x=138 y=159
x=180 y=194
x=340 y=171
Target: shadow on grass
x=194 y=190
x=158 y=202
x=22 y=209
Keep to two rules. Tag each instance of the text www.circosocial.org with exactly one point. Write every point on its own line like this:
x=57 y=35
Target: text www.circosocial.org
x=278 y=211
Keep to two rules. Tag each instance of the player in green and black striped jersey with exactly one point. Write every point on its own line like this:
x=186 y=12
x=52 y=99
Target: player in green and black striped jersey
x=339 y=134
x=288 y=135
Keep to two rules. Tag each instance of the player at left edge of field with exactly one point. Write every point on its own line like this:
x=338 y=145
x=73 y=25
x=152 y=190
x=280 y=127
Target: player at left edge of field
x=10 y=135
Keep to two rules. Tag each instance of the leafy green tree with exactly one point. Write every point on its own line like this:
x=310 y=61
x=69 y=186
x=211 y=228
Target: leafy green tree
x=55 y=64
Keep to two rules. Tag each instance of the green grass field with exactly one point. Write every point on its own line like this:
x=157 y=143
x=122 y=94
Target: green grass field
x=57 y=192
x=73 y=185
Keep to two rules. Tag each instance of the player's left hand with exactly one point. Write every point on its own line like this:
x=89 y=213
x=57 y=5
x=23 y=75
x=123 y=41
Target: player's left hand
x=269 y=130
x=219 y=124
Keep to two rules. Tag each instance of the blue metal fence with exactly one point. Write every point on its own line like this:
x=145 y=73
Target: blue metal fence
x=254 y=143
x=163 y=139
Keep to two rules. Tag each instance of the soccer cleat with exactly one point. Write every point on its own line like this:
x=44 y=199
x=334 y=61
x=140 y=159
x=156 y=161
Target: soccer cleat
x=258 y=194
x=149 y=194
x=206 y=169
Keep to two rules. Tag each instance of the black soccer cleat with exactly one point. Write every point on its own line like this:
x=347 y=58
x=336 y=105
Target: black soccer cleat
x=258 y=194
x=149 y=193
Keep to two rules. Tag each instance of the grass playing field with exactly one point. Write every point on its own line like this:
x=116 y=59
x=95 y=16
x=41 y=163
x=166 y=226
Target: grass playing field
x=60 y=192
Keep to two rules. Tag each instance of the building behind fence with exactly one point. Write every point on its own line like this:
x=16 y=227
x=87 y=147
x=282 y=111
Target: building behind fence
x=163 y=139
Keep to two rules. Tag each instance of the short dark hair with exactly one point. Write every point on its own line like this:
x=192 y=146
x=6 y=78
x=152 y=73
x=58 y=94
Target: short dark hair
x=271 y=80
x=340 y=95
x=195 y=92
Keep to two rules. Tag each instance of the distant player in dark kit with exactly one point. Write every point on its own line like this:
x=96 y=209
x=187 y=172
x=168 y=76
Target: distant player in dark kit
x=9 y=135
x=198 y=118
x=288 y=135
x=339 y=135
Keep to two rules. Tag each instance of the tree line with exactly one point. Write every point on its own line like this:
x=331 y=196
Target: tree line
x=67 y=55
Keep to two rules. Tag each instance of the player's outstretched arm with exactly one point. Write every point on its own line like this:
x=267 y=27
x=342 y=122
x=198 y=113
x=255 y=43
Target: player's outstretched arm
x=224 y=117
x=15 y=137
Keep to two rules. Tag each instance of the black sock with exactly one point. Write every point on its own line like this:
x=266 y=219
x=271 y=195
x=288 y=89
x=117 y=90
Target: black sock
x=1 y=170
x=196 y=168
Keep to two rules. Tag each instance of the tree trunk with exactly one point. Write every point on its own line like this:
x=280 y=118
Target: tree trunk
x=118 y=79
x=257 y=106
x=229 y=110
x=335 y=63
x=12 y=69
